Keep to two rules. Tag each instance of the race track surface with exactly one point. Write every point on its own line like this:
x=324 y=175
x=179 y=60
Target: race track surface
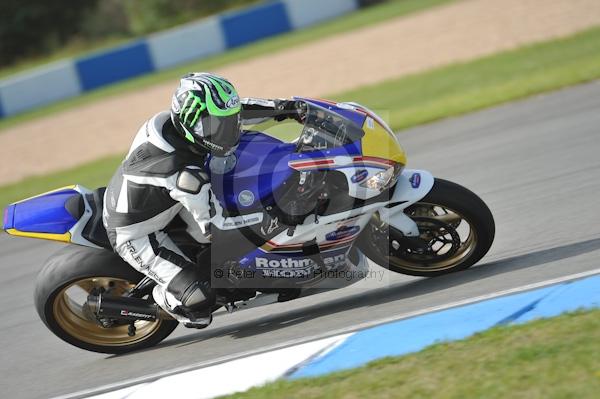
x=534 y=162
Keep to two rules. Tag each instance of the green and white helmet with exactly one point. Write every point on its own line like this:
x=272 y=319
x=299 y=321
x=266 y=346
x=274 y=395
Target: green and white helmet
x=206 y=111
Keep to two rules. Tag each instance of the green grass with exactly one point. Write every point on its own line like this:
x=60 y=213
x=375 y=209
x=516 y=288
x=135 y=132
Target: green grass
x=420 y=98
x=356 y=20
x=551 y=358
x=466 y=87
x=92 y=175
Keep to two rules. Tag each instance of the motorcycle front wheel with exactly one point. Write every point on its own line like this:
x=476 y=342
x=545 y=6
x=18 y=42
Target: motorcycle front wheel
x=456 y=230
x=61 y=292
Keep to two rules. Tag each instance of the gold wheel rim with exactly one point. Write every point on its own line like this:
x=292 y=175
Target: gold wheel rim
x=72 y=317
x=468 y=243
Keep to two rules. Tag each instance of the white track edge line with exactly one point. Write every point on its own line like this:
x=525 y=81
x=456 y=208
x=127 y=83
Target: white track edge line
x=346 y=330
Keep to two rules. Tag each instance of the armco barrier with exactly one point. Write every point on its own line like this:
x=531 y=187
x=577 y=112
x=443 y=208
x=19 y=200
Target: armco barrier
x=308 y=12
x=199 y=39
x=65 y=79
x=52 y=83
x=118 y=64
x=255 y=23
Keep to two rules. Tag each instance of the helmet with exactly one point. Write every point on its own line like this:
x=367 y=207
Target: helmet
x=205 y=110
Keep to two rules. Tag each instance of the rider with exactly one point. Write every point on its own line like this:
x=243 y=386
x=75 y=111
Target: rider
x=163 y=176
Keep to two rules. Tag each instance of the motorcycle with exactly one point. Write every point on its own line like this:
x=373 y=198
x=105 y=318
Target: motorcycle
x=295 y=218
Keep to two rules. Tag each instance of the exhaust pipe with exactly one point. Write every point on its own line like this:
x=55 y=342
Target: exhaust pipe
x=123 y=308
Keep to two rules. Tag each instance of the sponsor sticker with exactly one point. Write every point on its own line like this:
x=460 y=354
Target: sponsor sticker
x=370 y=123
x=296 y=267
x=342 y=232
x=273 y=225
x=244 y=220
x=359 y=176
x=233 y=102
x=246 y=198
x=415 y=180
x=136 y=314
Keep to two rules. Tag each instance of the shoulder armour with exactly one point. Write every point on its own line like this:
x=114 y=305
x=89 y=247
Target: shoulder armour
x=191 y=180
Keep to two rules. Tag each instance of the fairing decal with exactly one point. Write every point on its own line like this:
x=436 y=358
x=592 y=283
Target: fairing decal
x=339 y=162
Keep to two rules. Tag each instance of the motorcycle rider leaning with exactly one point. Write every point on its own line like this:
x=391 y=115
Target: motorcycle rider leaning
x=163 y=176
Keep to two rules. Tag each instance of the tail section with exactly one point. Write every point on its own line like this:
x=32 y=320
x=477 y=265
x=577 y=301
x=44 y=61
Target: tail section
x=59 y=215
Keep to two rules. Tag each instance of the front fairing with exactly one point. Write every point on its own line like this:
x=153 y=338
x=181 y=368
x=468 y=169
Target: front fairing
x=261 y=168
x=370 y=154
x=342 y=137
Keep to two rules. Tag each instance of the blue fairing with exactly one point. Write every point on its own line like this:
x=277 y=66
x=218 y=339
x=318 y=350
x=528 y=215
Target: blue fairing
x=43 y=214
x=262 y=166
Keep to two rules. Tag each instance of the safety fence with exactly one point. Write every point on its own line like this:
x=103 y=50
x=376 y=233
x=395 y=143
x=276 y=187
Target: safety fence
x=194 y=41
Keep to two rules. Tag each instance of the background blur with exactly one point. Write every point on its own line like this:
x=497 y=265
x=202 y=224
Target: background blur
x=38 y=28
x=80 y=77
x=499 y=95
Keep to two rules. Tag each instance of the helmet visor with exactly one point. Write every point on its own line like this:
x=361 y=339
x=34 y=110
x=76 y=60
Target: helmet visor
x=223 y=132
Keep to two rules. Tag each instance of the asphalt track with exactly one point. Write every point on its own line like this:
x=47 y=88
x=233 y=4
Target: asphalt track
x=535 y=163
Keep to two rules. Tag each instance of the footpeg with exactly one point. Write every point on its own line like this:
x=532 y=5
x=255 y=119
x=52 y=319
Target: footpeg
x=200 y=323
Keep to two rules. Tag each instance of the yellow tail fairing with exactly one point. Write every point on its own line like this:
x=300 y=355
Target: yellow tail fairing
x=44 y=216
x=66 y=237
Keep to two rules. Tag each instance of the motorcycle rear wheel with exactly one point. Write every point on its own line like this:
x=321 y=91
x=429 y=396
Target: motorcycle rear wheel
x=62 y=287
x=456 y=230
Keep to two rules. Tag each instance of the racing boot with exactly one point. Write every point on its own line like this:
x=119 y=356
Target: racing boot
x=187 y=298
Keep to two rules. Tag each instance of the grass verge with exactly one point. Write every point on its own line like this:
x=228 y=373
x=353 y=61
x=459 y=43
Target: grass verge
x=465 y=87
x=551 y=358
x=420 y=98
x=353 y=21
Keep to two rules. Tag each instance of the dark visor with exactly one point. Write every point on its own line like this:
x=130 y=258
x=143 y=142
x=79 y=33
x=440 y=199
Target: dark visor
x=223 y=131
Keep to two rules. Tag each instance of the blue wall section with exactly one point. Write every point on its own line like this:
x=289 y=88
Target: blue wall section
x=114 y=65
x=255 y=23
x=164 y=50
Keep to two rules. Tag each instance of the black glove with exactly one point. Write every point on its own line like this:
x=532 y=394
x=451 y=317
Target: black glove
x=290 y=109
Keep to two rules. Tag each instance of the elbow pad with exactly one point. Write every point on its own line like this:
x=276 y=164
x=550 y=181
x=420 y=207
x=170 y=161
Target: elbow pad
x=191 y=180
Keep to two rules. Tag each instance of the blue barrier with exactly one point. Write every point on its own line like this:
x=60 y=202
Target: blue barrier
x=163 y=50
x=413 y=334
x=42 y=86
x=255 y=23
x=114 y=65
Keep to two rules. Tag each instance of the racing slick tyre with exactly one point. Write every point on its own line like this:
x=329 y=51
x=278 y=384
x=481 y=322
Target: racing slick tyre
x=61 y=292
x=456 y=230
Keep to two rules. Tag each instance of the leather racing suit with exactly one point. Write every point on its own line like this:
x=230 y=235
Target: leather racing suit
x=160 y=178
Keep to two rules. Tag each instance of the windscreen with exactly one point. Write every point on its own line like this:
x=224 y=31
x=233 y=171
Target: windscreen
x=325 y=129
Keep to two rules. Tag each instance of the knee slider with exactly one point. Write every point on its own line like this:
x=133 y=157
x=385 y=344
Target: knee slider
x=190 y=289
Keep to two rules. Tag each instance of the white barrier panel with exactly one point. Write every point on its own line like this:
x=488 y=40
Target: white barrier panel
x=186 y=43
x=40 y=87
x=303 y=13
